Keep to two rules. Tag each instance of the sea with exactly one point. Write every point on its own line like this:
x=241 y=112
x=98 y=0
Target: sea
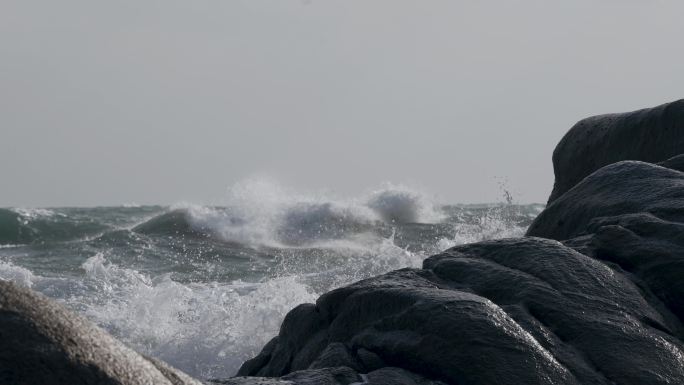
x=205 y=287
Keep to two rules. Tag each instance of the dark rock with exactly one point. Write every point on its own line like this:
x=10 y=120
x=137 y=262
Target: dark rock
x=675 y=163
x=651 y=135
x=587 y=316
x=326 y=376
x=251 y=381
x=397 y=376
x=621 y=188
x=251 y=367
x=332 y=376
x=649 y=248
x=337 y=353
x=43 y=343
x=630 y=215
x=369 y=360
x=300 y=339
x=528 y=311
x=336 y=376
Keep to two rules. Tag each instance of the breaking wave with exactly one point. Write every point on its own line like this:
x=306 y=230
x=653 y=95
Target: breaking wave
x=255 y=215
x=204 y=287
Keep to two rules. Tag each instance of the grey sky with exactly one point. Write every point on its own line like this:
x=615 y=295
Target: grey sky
x=107 y=102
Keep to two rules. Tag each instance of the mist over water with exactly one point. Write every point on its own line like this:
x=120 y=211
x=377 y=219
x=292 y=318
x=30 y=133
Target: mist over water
x=205 y=287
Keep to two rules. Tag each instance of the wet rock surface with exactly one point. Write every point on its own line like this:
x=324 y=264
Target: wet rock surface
x=336 y=376
x=627 y=187
x=527 y=310
x=652 y=135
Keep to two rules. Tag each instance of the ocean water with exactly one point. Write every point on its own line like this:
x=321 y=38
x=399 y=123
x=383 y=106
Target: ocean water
x=204 y=288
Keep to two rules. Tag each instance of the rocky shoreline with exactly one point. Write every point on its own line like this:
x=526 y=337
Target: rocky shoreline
x=594 y=294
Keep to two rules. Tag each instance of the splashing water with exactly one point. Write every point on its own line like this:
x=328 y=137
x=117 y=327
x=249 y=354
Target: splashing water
x=204 y=288
x=201 y=328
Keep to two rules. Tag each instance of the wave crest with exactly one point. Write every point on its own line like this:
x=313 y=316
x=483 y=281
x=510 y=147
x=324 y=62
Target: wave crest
x=403 y=205
x=262 y=213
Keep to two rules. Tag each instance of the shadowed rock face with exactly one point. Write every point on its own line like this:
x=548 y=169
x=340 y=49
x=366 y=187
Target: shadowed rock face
x=43 y=343
x=675 y=163
x=337 y=376
x=630 y=214
x=651 y=135
x=528 y=311
x=648 y=248
x=627 y=187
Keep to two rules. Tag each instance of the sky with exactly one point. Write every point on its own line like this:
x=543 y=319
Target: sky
x=163 y=101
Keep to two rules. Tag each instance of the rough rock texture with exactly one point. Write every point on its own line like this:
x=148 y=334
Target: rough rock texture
x=336 y=376
x=651 y=135
x=527 y=311
x=328 y=376
x=43 y=343
x=648 y=248
x=630 y=214
x=626 y=187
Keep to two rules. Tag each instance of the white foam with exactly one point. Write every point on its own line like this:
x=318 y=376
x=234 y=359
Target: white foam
x=207 y=330
x=261 y=212
x=401 y=204
x=33 y=213
x=26 y=215
x=11 y=246
x=496 y=223
x=16 y=274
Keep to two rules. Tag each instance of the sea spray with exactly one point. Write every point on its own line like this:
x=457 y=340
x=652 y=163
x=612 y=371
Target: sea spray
x=204 y=287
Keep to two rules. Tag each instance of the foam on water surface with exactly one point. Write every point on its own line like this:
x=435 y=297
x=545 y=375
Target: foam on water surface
x=204 y=288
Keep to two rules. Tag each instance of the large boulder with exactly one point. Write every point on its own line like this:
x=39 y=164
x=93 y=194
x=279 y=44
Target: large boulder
x=527 y=311
x=629 y=214
x=627 y=187
x=43 y=343
x=651 y=135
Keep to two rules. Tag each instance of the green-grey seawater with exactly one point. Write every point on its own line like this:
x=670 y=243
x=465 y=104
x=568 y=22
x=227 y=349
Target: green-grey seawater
x=205 y=287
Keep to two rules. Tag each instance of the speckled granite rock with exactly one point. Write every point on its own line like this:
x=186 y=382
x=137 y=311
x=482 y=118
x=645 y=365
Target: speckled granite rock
x=43 y=343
